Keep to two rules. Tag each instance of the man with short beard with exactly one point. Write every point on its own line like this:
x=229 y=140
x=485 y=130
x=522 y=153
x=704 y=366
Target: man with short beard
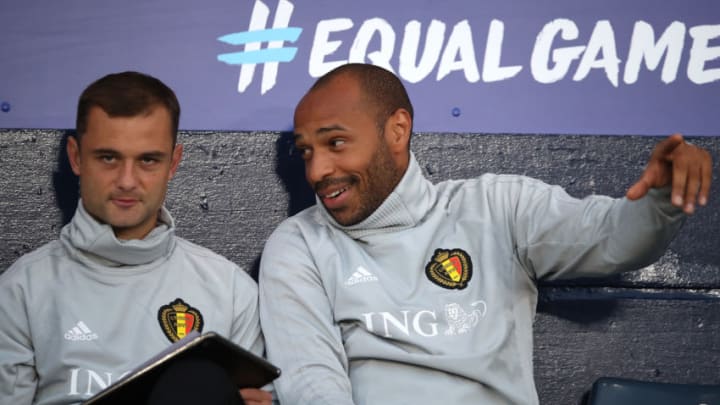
x=119 y=286
x=394 y=290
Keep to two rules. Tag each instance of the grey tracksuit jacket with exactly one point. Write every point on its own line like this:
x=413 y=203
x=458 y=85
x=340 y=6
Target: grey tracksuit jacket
x=79 y=313
x=431 y=299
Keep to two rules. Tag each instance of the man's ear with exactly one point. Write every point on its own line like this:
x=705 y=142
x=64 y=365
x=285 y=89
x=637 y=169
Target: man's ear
x=73 y=153
x=398 y=128
x=176 y=157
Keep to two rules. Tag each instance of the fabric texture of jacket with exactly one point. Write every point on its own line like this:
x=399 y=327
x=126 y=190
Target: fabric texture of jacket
x=80 y=312
x=431 y=299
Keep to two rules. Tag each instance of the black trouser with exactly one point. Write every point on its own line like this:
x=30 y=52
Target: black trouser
x=194 y=381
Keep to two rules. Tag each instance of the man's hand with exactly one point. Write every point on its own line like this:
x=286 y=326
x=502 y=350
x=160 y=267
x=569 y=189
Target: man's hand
x=254 y=396
x=686 y=167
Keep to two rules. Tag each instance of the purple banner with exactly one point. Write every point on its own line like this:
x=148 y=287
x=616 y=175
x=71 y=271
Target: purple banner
x=497 y=66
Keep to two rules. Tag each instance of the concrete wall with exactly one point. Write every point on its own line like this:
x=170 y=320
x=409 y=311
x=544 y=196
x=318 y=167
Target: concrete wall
x=661 y=323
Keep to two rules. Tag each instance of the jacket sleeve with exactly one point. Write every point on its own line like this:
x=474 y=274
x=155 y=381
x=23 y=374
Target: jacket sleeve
x=18 y=377
x=559 y=236
x=245 y=330
x=301 y=335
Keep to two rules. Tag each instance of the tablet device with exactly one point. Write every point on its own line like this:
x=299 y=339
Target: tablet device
x=246 y=369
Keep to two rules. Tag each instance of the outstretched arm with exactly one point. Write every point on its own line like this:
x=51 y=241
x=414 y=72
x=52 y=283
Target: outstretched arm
x=685 y=167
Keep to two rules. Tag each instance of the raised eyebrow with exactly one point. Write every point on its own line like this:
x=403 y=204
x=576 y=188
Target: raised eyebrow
x=322 y=131
x=331 y=128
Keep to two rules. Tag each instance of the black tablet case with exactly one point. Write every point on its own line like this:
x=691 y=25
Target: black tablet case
x=245 y=368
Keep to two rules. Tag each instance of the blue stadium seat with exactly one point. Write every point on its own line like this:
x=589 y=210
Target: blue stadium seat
x=620 y=391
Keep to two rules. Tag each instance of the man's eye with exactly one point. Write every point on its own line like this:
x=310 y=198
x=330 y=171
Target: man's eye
x=148 y=160
x=303 y=152
x=337 y=142
x=107 y=158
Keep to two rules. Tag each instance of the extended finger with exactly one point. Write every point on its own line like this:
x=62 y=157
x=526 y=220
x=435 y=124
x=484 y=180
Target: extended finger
x=638 y=190
x=667 y=146
x=679 y=183
x=692 y=189
x=706 y=171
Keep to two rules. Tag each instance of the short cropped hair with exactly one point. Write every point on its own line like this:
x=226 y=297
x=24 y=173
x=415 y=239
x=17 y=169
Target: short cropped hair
x=127 y=94
x=382 y=88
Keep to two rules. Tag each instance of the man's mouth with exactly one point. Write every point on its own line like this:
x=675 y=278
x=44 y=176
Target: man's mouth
x=335 y=197
x=335 y=193
x=332 y=188
x=124 y=202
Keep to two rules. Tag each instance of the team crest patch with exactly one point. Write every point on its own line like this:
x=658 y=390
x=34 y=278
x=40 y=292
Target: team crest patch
x=451 y=269
x=177 y=319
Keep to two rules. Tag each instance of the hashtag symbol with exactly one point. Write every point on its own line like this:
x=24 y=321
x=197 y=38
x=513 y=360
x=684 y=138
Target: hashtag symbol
x=253 y=38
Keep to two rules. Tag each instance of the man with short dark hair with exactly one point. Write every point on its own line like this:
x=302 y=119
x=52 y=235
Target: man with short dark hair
x=79 y=313
x=393 y=290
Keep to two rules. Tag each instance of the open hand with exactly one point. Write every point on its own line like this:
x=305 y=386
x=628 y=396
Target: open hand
x=686 y=167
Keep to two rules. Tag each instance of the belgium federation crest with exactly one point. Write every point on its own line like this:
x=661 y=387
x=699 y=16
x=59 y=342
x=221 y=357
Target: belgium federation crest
x=177 y=319
x=451 y=269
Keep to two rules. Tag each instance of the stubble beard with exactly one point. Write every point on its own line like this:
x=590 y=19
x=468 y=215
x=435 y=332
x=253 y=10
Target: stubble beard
x=383 y=176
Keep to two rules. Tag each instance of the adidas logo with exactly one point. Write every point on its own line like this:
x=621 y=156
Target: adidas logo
x=80 y=332
x=361 y=275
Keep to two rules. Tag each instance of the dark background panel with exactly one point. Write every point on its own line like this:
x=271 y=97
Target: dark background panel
x=578 y=340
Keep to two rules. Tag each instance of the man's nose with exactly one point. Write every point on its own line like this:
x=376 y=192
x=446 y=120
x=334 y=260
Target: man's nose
x=127 y=176
x=319 y=167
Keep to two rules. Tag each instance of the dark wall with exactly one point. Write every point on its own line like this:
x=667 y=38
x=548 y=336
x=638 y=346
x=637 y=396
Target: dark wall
x=661 y=323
